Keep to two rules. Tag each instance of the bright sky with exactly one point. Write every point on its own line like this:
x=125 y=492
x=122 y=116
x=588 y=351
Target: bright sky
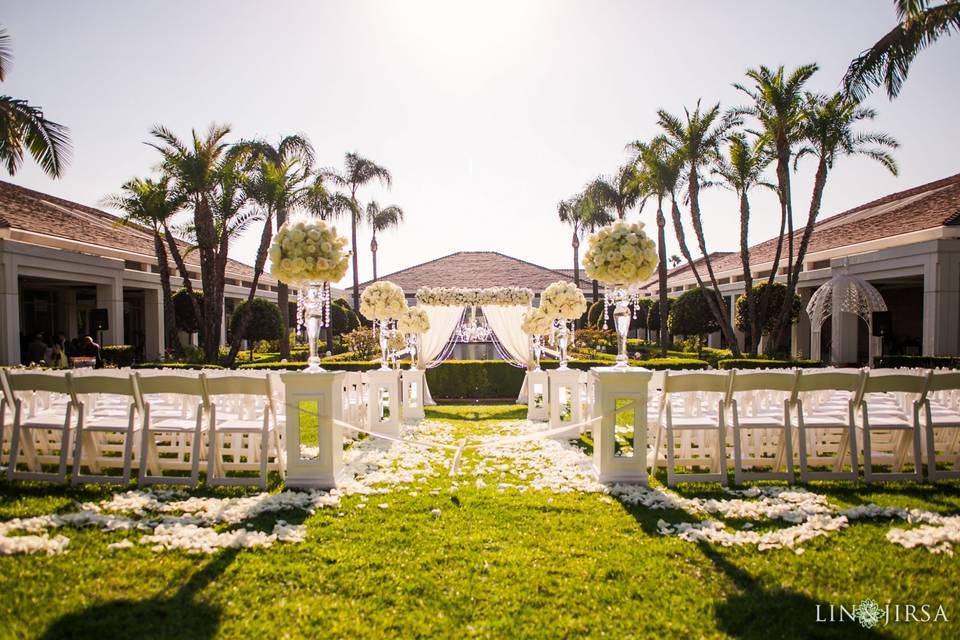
x=487 y=113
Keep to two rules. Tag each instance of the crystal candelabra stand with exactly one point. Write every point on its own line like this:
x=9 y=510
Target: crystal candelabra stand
x=413 y=340
x=313 y=302
x=620 y=297
x=385 y=333
x=564 y=334
x=537 y=346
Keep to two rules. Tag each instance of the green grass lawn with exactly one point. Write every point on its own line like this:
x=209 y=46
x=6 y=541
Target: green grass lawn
x=492 y=564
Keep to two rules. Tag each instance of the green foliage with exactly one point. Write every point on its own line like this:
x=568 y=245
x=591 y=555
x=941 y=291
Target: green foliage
x=768 y=322
x=118 y=355
x=596 y=340
x=343 y=319
x=764 y=363
x=595 y=315
x=175 y=365
x=690 y=314
x=924 y=362
x=183 y=310
x=675 y=364
x=363 y=343
x=653 y=316
x=264 y=322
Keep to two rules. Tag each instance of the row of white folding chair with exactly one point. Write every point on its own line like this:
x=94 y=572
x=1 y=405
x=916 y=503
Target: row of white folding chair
x=166 y=432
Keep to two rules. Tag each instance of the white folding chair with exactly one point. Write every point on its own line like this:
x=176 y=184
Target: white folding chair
x=173 y=419
x=890 y=423
x=826 y=423
x=107 y=406
x=698 y=391
x=242 y=431
x=942 y=418
x=43 y=434
x=760 y=404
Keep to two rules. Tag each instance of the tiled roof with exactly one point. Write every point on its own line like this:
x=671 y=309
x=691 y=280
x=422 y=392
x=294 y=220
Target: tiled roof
x=37 y=212
x=928 y=206
x=477 y=269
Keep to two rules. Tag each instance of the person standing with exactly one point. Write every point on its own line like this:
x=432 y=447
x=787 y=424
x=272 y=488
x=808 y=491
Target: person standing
x=92 y=350
x=37 y=350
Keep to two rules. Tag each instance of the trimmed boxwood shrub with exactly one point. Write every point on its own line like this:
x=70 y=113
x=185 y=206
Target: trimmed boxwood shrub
x=925 y=362
x=118 y=355
x=674 y=364
x=183 y=310
x=763 y=363
x=690 y=314
x=174 y=365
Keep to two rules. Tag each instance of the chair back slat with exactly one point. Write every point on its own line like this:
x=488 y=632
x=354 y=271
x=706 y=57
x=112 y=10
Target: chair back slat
x=236 y=385
x=895 y=383
x=686 y=382
x=50 y=382
x=112 y=385
x=945 y=381
x=850 y=380
x=764 y=380
x=167 y=383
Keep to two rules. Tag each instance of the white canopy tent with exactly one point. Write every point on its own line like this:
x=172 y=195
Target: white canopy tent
x=844 y=293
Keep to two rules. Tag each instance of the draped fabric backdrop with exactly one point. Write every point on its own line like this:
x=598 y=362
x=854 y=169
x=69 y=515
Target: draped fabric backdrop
x=443 y=322
x=506 y=323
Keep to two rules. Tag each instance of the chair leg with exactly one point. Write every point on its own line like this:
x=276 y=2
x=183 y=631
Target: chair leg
x=78 y=452
x=128 y=451
x=737 y=449
x=931 y=453
x=195 y=452
x=670 y=457
x=264 y=457
x=788 y=439
x=917 y=451
x=213 y=454
x=722 y=450
x=802 y=443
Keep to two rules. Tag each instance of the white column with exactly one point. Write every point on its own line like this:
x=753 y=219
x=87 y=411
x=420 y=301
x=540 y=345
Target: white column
x=383 y=401
x=610 y=386
x=941 y=306
x=538 y=393
x=9 y=310
x=223 y=321
x=322 y=471
x=153 y=325
x=411 y=381
x=110 y=297
x=800 y=332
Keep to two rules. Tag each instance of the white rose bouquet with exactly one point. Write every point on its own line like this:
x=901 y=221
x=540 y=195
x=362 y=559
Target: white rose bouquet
x=413 y=320
x=620 y=254
x=382 y=301
x=563 y=300
x=308 y=251
x=535 y=322
x=457 y=297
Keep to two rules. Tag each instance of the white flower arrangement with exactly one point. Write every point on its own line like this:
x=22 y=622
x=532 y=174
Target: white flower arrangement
x=620 y=254
x=535 y=322
x=382 y=301
x=413 y=320
x=457 y=297
x=308 y=251
x=563 y=300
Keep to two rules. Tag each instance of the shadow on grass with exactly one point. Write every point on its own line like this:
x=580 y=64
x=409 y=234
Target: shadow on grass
x=759 y=613
x=179 y=615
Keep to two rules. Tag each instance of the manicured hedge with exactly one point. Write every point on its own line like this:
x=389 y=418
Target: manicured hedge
x=763 y=363
x=924 y=362
x=174 y=365
x=118 y=355
x=297 y=366
x=674 y=364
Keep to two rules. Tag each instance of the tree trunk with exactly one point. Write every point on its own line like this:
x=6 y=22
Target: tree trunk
x=596 y=290
x=662 y=275
x=262 y=251
x=819 y=182
x=751 y=328
x=353 y=245
x=283 y=300
x=576 y=259
x=171 y=335
x=373 y=252
x=184 y=274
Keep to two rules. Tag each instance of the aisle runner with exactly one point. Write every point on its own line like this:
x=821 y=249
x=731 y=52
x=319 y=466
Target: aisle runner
x=515 y=459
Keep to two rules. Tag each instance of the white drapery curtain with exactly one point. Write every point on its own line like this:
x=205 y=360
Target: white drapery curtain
x=443 y=322
x=506 y=323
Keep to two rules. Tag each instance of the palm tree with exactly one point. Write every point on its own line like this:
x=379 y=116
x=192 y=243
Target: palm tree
x=618 y=192
x=196 y=169
x=381 y=220
x=696 y=140
x=778 y=106
x=675 y=261
x=594 y=212
x=658 y=171
x=742 y=171
x=357 y=172
x=24 y=128
x=277 y=188
x=888 y=61
x=829 y=132
x=569 y=213
x=151 y=203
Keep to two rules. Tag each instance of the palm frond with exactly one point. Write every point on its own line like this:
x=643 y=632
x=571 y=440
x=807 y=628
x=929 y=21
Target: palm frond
x=6 y=53
x=25 y=129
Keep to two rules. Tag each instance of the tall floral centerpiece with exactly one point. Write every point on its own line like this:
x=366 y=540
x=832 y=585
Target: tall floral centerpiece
x=621 y=256
x=308 y=254
x=536 y=324
x=384 y=303
x=564 y=303
x=412 y=323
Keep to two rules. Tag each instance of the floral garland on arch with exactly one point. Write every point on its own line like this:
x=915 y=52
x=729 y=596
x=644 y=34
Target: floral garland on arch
x=457 y=297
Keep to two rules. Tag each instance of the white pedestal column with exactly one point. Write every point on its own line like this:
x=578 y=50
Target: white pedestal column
x=383 y=401
x=610 y=387
x=411 y=381
x=325 y=390
x=538 y=396
x=567 y=388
